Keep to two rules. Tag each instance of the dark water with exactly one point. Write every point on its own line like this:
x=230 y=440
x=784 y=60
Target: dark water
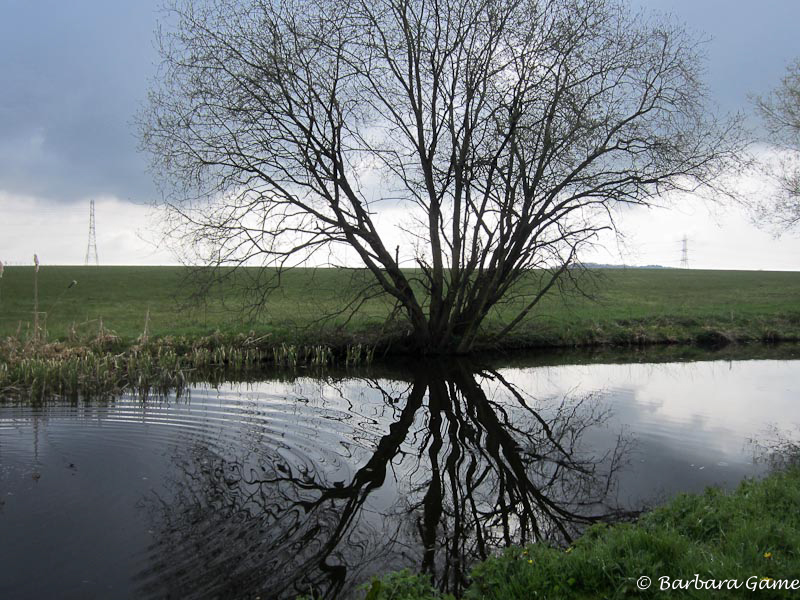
x=307 y=485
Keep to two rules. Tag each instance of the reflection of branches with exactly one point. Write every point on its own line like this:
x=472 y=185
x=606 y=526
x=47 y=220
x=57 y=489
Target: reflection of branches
x=778 y=448
x=506 y=477
x=451 y=479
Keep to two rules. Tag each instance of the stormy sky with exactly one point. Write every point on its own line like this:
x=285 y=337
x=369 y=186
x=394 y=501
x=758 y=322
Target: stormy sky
x=73 y=74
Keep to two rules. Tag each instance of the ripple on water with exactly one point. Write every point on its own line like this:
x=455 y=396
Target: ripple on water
x=126 y=463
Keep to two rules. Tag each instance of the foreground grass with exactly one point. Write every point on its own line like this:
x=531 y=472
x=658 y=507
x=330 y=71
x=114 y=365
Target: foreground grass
x=749 y=537
x=636 y=306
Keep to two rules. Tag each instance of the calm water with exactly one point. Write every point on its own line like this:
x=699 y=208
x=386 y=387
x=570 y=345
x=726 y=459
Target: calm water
x=285 y=487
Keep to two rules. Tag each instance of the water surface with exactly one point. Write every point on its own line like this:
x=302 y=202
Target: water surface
x=283 y=487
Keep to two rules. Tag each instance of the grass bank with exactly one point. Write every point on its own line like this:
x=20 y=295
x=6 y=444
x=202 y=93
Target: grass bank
x=102 y=330
x=617 y=307
x=740 y=544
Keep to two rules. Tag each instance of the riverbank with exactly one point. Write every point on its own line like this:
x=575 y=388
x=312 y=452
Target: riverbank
x=103 y=367
x=725 y=545
x=602 y=307
x=104 y=330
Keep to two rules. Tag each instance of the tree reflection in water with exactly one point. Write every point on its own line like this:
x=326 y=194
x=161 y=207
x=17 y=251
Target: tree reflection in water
x=467 y=465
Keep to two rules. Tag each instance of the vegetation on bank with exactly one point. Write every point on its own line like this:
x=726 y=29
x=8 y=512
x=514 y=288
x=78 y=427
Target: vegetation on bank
x=611 y=307
x=102 y=331
x=96 y=368
x=746 y=542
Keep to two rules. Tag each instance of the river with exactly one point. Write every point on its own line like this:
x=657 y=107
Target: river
x=304 y=484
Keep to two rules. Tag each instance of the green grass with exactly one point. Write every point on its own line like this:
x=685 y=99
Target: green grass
x=670 y=306
x=627 y=306
x=124 y=296
x=751 y=535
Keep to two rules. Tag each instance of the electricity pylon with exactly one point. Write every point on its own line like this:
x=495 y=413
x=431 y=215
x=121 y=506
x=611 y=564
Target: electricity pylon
x=685 y=253
x=91 y=248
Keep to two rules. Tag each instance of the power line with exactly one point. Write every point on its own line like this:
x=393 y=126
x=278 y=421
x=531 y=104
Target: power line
x=91 y=248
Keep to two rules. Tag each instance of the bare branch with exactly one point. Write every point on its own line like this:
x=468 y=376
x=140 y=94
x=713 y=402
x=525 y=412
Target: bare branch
x=509 y=130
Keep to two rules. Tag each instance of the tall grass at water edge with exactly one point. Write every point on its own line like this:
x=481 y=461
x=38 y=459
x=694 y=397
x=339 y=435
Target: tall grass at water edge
x=41 y=371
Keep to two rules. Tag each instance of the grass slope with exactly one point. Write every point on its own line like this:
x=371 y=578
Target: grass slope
x=626 y=306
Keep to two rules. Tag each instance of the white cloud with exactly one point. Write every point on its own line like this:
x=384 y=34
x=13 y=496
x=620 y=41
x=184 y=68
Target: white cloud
x=720 y=235
x=127 y=233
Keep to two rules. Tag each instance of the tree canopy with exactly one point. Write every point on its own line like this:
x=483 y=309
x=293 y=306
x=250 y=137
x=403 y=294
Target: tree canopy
x=508 y=131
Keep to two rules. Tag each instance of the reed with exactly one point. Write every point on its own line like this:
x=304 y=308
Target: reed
x=144 y=337
x=33 y=369
x=36 y=297
x=359 y=354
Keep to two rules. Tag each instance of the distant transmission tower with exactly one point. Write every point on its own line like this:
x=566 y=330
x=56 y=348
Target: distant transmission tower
x=91 y=248
x=685 y=253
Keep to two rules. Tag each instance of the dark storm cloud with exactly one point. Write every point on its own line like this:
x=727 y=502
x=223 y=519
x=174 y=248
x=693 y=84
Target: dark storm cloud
x=750 y=44
x=72 y=76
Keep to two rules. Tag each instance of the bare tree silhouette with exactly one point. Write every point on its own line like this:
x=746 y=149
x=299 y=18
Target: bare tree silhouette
x=507 y=130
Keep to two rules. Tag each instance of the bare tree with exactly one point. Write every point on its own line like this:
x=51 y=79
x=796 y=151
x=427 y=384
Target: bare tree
x=780 y=112
x=507 y=130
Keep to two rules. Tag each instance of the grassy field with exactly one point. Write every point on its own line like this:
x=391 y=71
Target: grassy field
x=625 y=306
